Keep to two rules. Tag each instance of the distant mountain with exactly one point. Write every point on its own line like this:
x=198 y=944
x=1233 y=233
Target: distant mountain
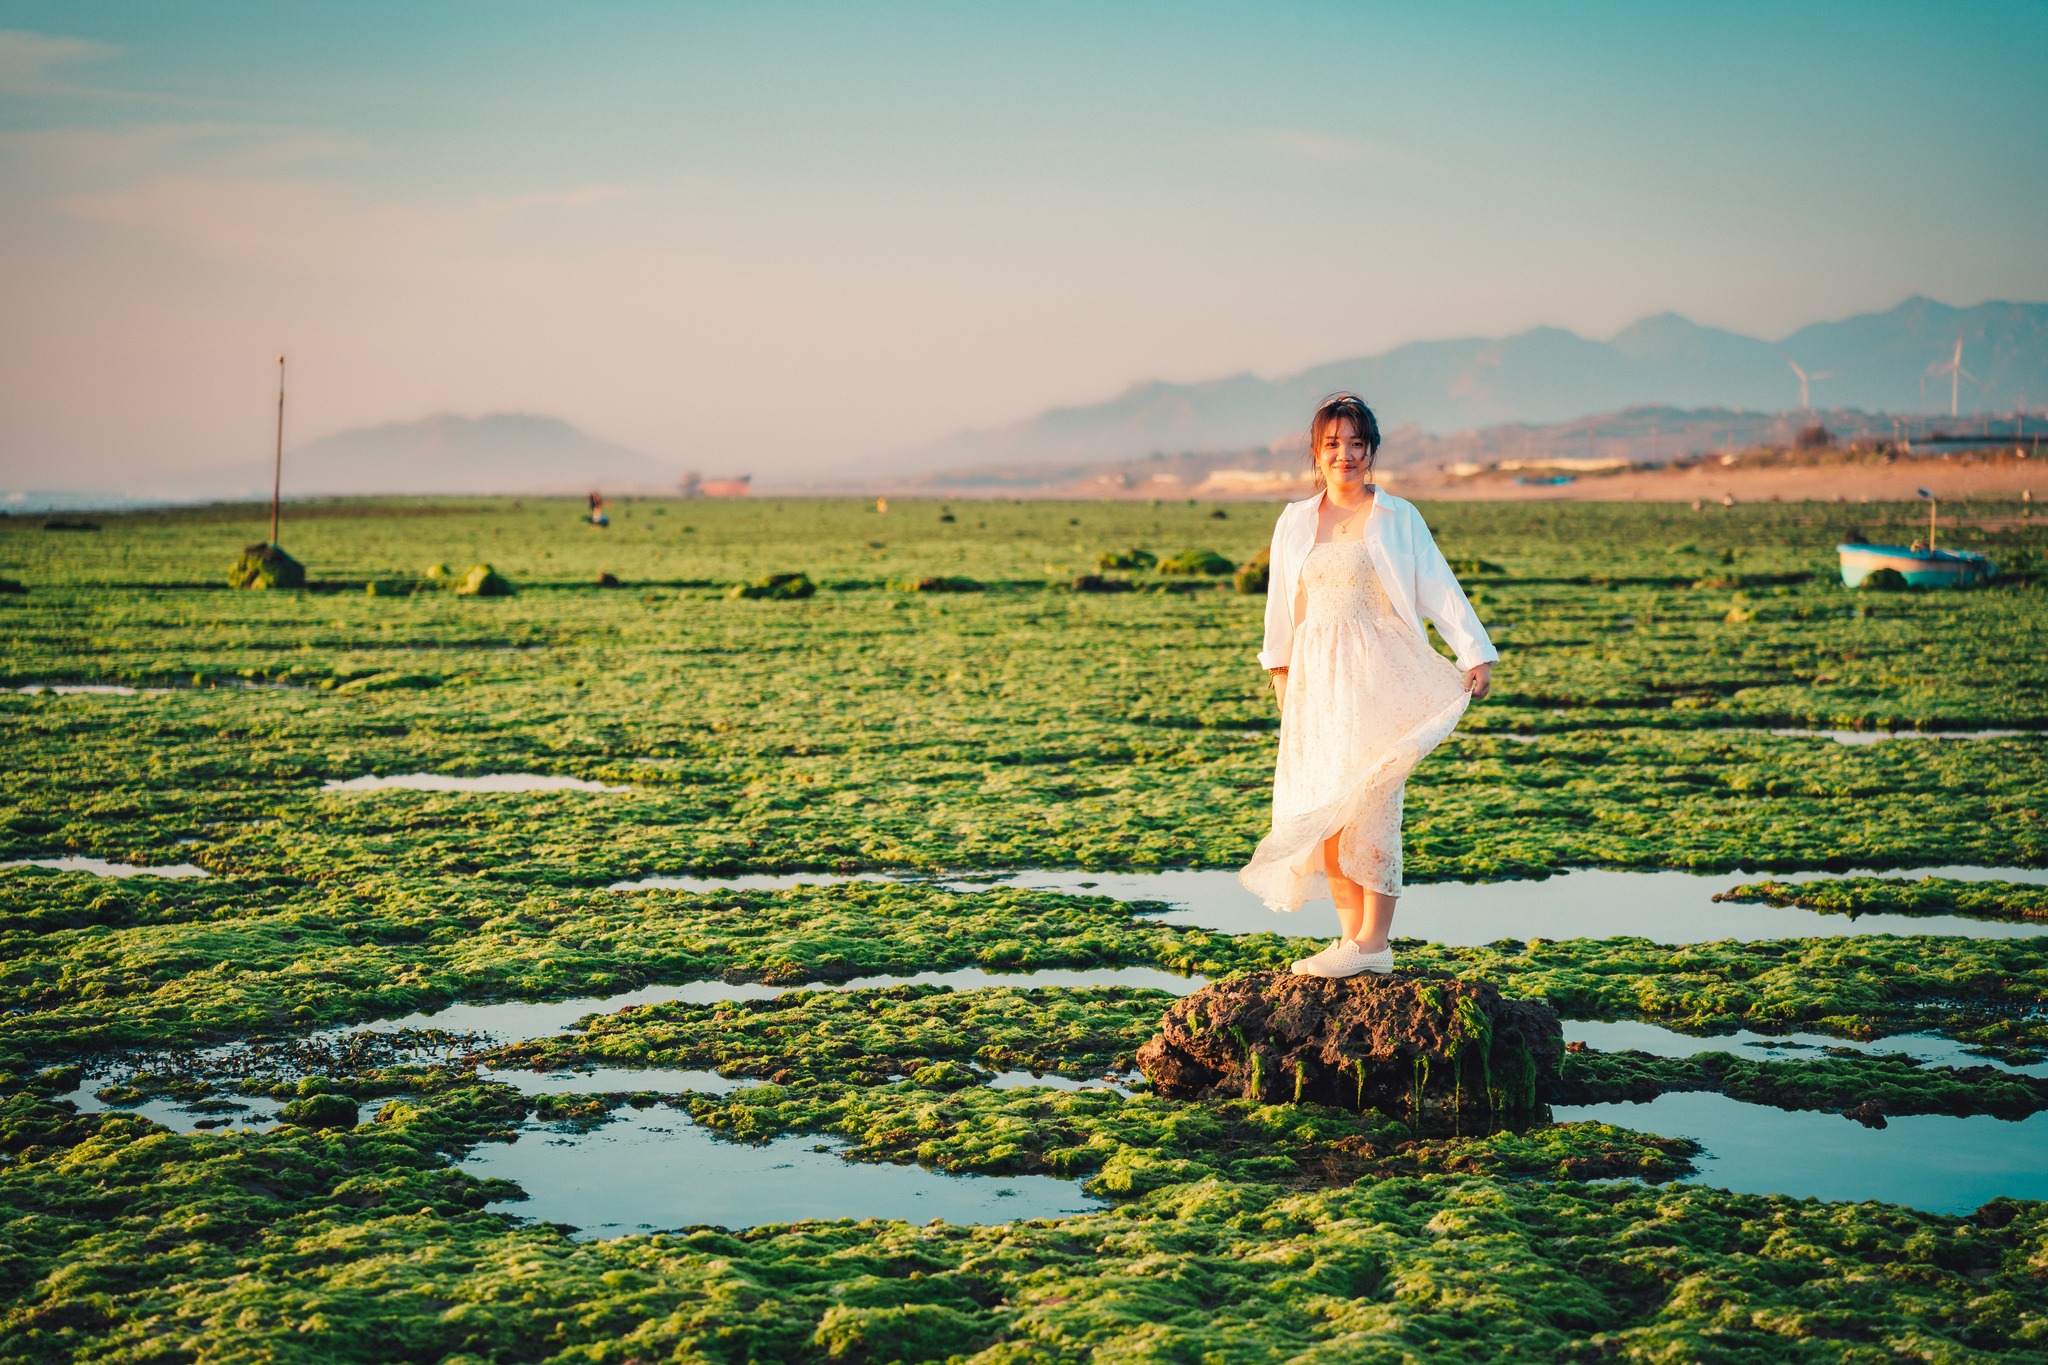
x=1547 y=375
x=504 y=452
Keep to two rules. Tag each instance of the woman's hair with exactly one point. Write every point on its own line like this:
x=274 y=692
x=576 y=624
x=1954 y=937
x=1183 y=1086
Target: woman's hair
x=1334 y=409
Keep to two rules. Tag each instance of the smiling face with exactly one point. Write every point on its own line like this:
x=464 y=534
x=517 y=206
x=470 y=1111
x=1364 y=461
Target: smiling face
x=1342 y=456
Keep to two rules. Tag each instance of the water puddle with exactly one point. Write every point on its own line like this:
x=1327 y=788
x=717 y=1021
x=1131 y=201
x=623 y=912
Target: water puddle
x=1664 y=907
x=213 y=1114
x=1622 y=1035
x=99 y=867
x=616 y=1080
x=510 y=1021
x=655 y=1169
x=1029 y=1080
x=756 y=881
x=1926 y=1161
x=90 y=690
x=493 y=782
x=1860 y=737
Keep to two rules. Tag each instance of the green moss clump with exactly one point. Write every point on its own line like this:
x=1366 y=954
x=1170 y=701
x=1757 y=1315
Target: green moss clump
x=1133 y=558
x=1253 y=575
x=1093 y=582
x=938 y=583
x=265 y=566
x=320 y=1111
x=1891 y=896
x=776 y=587
x=483 y=581
x=1192 y=563
x=1842 y=1080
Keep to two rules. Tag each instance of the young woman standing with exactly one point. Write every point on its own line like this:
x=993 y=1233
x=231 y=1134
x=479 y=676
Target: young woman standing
x=1363 y=696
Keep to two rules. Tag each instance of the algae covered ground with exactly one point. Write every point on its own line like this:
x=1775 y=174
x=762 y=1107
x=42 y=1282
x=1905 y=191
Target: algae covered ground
x=997 y=719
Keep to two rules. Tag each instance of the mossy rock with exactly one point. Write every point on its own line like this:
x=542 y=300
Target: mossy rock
x=1133 y=558
x=945 y=1076
x=439 y=575
x=320 y=1111
x=777 y=587
x=266 y=566
x=1095 y=582
x=12 y=585
x=483 y=581
x=608 y=579
x=1190 y=563
x=1256 y=572
x=1884 y=580
x=939 y=584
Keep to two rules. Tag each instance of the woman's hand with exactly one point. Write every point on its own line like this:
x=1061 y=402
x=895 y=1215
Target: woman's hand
x=1479 y=681
x=1279 y=676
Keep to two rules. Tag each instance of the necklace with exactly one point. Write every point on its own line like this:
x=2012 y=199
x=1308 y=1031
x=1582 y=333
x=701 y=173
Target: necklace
x=1338 y=529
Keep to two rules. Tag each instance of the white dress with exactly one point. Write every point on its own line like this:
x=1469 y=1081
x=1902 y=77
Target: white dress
x=1367 y=699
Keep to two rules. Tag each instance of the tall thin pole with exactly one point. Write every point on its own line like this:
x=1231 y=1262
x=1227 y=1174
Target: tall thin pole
x=277 y=465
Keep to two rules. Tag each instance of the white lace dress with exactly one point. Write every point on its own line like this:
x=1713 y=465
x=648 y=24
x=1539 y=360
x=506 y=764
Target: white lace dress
x=1367 y=699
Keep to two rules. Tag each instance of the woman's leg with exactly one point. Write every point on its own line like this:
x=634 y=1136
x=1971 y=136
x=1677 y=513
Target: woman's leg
x=1362 y=915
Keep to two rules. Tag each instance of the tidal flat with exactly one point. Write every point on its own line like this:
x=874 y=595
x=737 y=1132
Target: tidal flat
x=338 y=762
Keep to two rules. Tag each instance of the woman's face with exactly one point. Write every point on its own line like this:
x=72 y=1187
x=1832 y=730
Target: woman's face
x=1342 y=456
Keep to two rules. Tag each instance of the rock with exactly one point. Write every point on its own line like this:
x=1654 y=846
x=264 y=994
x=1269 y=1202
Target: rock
x=1191 y=562
x=776 y=587
x=483 y=581
x=1253 y=575
x=266 y=566
x=1396 y=1043
x=321 y=1111
x=1095 y=582
x=1867 y=1114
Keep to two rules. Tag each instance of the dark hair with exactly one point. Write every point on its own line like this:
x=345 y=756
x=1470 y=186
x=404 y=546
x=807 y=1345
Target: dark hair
x=1334 y=409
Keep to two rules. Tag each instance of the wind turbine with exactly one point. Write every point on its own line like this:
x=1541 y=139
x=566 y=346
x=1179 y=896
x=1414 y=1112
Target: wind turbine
x=1806 y=379
x=1956 y=375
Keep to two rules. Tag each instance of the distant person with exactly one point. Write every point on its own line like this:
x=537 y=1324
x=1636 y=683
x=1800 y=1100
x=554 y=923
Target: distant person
x=597 y=513
x=1363 y=697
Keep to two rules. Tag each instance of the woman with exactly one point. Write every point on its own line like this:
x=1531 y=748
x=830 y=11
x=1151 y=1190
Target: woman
x=1363 y=696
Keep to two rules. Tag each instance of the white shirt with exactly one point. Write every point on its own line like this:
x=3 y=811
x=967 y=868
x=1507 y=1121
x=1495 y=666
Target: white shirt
x=1419 y=584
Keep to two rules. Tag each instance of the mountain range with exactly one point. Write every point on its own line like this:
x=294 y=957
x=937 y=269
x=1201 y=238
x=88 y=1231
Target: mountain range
x=1890 y=362
x=503 y=452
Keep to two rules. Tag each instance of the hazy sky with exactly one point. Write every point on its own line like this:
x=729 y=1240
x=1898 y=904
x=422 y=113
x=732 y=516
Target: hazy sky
x=779 y=237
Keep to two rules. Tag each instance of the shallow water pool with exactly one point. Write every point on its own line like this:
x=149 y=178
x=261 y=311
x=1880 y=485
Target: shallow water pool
x=1925 y=1161
x=509 y=1021
x=655 y=1169
x=1620 y=1035
x=491 y=782
x=1664 y=907
x=615 y=1080
x=100 y=867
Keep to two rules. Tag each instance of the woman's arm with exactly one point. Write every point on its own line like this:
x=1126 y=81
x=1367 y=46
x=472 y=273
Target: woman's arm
x=1278 y=645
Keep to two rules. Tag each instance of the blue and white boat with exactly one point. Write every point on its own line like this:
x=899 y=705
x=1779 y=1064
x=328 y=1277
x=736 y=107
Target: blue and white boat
x=1920 y=568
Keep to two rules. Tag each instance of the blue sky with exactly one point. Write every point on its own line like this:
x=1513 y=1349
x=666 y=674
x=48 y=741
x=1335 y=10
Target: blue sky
x=666 y=221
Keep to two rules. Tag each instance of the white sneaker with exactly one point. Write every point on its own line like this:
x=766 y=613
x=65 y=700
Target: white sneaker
x=1345 y=958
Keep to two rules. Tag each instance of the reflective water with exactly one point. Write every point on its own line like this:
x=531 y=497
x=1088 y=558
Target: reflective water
x=1664 y=907
x=1617 y=1036
x=99 y=867
x=513 y=1020
x=654 y=1169
x=216 y=1113
x=493 y=782
x=90 y=690
x=614 y=1080
x=1925 y=1161
x=1027 y=1080
x=1878 y=736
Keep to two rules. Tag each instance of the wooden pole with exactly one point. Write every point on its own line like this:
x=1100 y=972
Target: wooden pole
x=277 y=464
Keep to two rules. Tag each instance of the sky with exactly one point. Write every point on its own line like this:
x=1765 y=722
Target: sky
x=787 y=238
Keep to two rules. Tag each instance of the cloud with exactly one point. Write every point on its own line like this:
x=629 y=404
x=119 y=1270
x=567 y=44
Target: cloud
x=284 y=222
x=576 y=198
x=26 y=58
x=1323 y=150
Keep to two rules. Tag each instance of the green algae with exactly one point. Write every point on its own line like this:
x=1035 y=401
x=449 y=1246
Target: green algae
x=1843 y=1080
x=359 y=1245
x=859 y=728
x=1890 y=896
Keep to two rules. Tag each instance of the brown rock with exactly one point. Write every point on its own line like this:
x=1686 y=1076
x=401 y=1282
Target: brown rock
x=1401 y=1044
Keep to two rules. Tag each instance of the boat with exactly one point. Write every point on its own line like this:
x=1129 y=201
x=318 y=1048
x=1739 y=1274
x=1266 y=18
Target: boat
x=1920 y=568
